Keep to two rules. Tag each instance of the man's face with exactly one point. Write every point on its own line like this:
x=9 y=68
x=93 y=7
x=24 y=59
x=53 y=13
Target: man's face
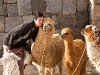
x=39 y=21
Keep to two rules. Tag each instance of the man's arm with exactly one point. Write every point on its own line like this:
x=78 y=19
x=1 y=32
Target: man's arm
x=11 y=40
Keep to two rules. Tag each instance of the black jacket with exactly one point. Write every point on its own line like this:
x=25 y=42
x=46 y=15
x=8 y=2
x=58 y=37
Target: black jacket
x=19 y=35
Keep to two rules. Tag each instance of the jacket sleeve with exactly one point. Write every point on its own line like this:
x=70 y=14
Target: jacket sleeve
x=34 y=34
x=11 y=40
x=19 y=31
x=22 y=29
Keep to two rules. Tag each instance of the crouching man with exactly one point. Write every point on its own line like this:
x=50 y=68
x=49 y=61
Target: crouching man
x=15 y=40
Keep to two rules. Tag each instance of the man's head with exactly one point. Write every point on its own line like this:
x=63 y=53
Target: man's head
x=39 y=19
x=39 y=14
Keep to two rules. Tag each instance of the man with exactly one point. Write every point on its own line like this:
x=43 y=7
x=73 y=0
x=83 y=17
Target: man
x=16 y=39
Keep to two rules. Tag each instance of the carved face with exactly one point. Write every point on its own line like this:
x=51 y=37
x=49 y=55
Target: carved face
x=48 y=25
x=90 y=32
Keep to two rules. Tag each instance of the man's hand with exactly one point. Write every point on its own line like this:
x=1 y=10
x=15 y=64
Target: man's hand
x=10 y=51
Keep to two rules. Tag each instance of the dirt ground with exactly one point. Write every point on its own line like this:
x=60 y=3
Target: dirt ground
x=32 y=70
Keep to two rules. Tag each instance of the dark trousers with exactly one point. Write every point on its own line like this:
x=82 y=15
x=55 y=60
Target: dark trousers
x=20 y=52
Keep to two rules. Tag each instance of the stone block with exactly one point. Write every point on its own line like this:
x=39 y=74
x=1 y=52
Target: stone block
x=12 y=22
x=54 y=6
x=2 y=36
x=24 y=7
x=3 y=9
x=10 y=1
x=1 y=1
x=77 y=33
x=69 y=6
x=82 y=5
x=95 y=13
x=56 y=20
x=12 y=10
x=1 y=53
x=67 y=21
x=28 y=18
x=38 y=6
x=97 y=23
x=82 y=19
x=2 y=18
x=58 y=31
x=47 y=15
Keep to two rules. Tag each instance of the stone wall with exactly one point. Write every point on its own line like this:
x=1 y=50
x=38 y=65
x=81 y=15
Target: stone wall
x=65 y=13
x=95 y=12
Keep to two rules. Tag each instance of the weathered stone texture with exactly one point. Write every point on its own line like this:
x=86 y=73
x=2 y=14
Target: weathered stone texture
x=77 y=33
x=82 y=19
x=1 y=1
x=54 y=6
x=67 y=21
x=47 y=15
x=57 y=31
x=69 y=6
x=24 y=7
x=12 y=10
x=9 y=1
x=28 y=18
x=12 y=22
x=2 y=18
x=56 y=21
x=97 y=23
x=2 y=35
x=82 y=5
x=38 y=6
x=3 y=9
x=95 y=12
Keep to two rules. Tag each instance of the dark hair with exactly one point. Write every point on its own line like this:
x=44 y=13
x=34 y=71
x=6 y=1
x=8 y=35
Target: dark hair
x=39 y=14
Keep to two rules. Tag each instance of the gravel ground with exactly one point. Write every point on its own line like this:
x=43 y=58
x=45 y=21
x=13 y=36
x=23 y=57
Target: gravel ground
x=32 y=70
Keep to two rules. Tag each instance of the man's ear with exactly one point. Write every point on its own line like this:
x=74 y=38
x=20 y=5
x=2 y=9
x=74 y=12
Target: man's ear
x=34 y=20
